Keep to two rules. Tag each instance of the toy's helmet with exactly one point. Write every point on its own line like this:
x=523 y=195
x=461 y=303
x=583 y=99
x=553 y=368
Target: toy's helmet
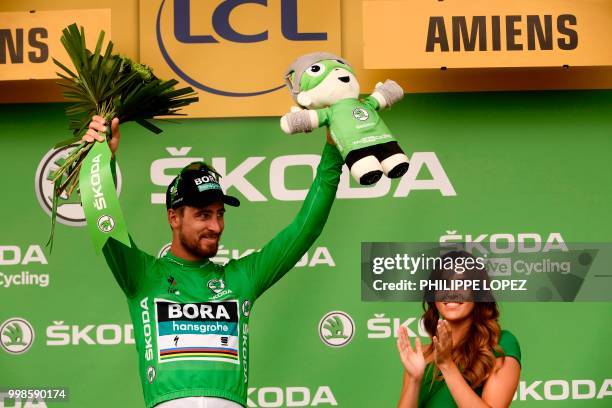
x=293 y=76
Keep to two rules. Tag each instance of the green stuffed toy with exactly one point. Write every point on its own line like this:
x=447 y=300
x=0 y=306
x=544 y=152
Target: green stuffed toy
x=325 y=86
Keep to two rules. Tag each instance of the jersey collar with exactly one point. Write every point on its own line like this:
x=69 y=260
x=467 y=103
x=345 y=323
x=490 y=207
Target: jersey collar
x=185 y=263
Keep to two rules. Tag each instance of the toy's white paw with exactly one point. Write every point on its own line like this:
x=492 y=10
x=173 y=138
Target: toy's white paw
x=378 y=84
x=284 y=124
x=296 y=109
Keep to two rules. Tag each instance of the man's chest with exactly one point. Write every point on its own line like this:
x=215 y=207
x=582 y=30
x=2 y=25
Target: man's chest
x=195 y=316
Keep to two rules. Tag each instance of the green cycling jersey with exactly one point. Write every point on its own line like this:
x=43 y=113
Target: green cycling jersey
x=191 y=319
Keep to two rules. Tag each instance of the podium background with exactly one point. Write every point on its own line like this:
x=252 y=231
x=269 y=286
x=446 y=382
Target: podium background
x=531 y=162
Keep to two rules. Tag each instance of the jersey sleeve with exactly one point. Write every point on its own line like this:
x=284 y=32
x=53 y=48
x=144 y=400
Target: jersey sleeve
x=371 y=102
x=323 y=116
x=128 y=264
x=278 y=256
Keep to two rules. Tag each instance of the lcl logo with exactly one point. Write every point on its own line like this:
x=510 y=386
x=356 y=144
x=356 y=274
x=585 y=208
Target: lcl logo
x=225 y=31
x=221 y=23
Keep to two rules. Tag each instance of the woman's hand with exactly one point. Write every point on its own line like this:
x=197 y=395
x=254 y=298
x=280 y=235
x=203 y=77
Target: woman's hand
x=443 y=344
x=413 y=360
x=98 y=124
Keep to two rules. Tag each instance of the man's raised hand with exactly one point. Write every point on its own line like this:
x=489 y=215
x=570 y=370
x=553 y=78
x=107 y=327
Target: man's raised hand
x=96 y=130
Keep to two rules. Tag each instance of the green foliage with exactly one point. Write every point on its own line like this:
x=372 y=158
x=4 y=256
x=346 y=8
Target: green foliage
x=107 y=85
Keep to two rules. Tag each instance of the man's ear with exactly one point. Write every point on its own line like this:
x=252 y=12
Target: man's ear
x=173 y=218
x=304 y=99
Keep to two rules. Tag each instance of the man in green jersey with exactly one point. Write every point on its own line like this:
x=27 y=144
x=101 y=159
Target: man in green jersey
x=191 y=316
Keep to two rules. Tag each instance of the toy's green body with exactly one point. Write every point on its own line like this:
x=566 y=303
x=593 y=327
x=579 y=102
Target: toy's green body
x=354 y=124
x=325 y=86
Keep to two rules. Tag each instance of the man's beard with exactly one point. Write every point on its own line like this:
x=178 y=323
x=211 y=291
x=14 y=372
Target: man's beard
x=193 y=247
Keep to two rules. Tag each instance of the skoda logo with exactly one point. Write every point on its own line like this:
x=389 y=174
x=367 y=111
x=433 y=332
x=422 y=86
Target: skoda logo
x=336 y=329
x=246 y=308
x=216 y=285
x=360 y=114
x=106 y=223
x=151 y=374
x=16 y=335
x=69 y=210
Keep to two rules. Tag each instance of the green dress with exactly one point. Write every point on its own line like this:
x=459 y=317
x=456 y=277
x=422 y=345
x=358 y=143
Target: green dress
x=437 y=395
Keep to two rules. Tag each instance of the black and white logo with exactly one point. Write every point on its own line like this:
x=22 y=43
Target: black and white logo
x=16 y=335
x=151 y=374
x=216 y=285
x=360 y=114
x=69 y=210
x=106 y=223
x=336 y=329
x=246 y=308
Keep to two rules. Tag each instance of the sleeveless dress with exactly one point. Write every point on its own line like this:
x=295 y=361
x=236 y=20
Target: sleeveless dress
x=437 y=395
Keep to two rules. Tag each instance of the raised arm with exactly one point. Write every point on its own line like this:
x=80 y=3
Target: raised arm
x=98 y=125
x=280 y=254
x=128 y=264
x=303 y=120
x=414 y=367
x=386 y=94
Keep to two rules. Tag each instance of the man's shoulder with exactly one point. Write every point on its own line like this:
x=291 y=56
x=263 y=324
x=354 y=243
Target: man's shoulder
x=232 y=266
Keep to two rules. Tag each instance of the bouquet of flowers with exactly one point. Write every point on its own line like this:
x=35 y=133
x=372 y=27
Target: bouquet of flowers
x=108 y=85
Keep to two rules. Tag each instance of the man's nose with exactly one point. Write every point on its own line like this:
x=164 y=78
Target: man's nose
x=214 y=225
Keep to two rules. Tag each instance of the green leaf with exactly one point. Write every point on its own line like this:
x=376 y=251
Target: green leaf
x=96 y=54
x=65 y=68
x=66 y=142
x=55 y=201
x=148 y=125
x=105 y=79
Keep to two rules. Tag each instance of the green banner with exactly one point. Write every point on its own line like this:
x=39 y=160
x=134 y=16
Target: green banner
x=525 y=168
x=99 y=199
